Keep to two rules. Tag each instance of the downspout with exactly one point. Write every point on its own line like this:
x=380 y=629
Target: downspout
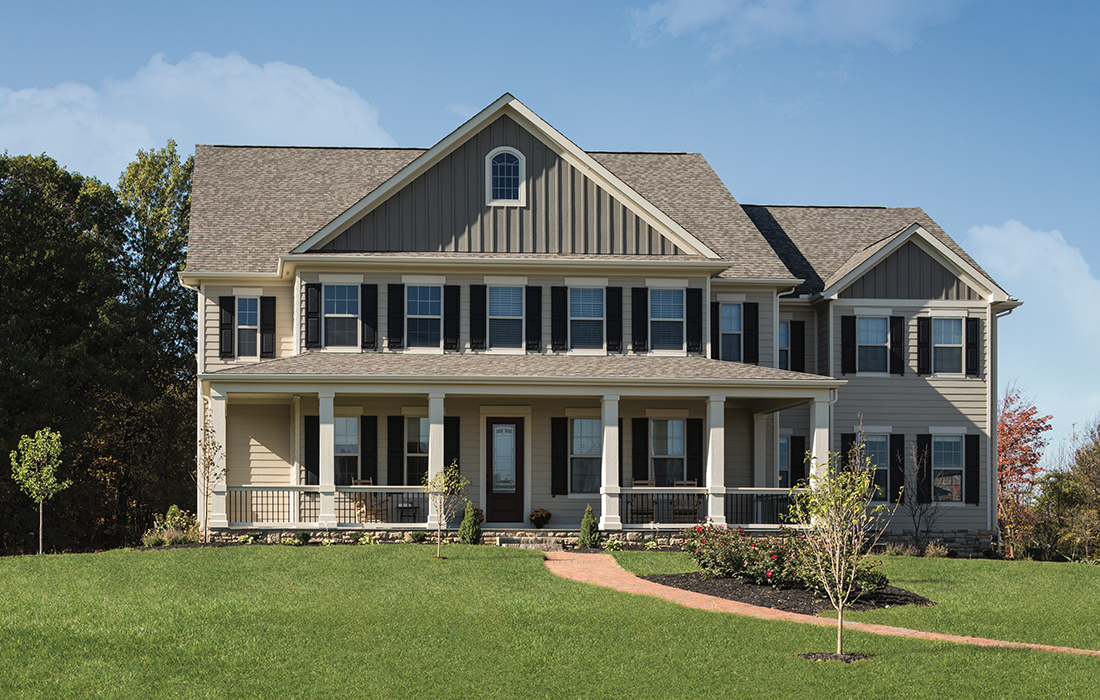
x=994 y=418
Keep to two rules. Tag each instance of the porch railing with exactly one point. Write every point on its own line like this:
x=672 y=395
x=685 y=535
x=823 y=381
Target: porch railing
x=757 y=506
x=272 y=505
x=380 y=505
x=674 y=505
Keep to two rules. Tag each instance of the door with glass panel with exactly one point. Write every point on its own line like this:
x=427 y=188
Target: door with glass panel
x=504 y=470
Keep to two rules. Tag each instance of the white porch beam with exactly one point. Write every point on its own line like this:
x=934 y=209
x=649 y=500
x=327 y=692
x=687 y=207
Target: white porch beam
x=819 y=427
x=759 y=449
x=716 y=459
x=435 y=449
x=609 y=465
x=217 y=421
x=327 y=421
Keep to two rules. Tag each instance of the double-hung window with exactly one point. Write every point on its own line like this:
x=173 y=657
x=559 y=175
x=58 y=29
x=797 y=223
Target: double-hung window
x=784 y=463
x=424 y=311
x=585 y=454
x=416 y=450
x=730 y=321
x=667 y=449
x=346 y=449
x=947 y=468
x=666 y=319
x=784 y=345
x=505 y=317
x=341 y=315
x=947 y=345
x=585 y=318
x=877 y=451
x=248 y=325
x=873 y=338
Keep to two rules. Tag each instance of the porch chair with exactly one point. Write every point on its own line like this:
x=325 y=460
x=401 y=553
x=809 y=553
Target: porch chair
x=641 y=507
x=685 y=506
x=370 y=507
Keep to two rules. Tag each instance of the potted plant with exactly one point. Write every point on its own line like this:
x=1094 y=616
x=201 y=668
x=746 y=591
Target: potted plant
x=540 y=516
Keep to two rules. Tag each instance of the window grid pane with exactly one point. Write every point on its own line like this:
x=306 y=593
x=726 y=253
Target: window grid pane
x=416 y=436
x=947 y=338
x=505 y=176
x=731 y=347
x=731 y=318
x=877 y=450
x=341 y=299
x=947 y=468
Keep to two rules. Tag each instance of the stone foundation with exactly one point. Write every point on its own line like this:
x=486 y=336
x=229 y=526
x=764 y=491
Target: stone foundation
x=960 y=543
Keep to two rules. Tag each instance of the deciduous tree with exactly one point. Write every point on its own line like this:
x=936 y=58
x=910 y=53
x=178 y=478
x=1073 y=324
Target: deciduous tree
x=34 y=466
x=446 y=493
x=1020 y=442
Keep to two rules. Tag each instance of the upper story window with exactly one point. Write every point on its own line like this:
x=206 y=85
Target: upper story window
x=341 y=315
x=585 y=454
x=947 y=467
x=730 y=319
x=423 y=314
x=873 y=337
x=947 y=345
x=505 y=317
x=585 y=318
x=666 y=319
x=248 y=326
x=784 y=345
x=505 y=178
x=346 y=449
x=667 y=451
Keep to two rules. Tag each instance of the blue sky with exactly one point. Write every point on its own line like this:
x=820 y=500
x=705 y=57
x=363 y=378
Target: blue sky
x=983 y=113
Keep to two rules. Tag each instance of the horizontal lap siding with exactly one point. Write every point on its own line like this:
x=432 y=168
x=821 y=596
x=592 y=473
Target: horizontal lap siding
x=810 y=344
x=739 y=446
x=284 y=321
x=258 y=444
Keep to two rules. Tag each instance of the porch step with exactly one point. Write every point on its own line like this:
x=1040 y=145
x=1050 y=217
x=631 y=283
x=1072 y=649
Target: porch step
x=543 y=544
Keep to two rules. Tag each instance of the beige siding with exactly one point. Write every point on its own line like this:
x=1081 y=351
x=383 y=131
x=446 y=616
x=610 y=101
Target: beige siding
x=258 y=444
x=909 y=273
x=284 y=339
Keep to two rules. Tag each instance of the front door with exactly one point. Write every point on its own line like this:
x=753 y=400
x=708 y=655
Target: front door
x=504 y=470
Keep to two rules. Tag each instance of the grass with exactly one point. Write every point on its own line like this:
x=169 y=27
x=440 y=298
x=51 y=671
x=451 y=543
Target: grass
x=1037 y=602
x=391 y=622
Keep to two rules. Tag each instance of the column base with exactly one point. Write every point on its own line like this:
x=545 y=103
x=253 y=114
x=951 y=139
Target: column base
x=611 y=522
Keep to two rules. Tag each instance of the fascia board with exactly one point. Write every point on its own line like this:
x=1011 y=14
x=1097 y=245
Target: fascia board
x=187 y=278
x=771 y=282
x=666 y=265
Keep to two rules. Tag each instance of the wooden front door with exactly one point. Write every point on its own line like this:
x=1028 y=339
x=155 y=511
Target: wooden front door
x=504 y=470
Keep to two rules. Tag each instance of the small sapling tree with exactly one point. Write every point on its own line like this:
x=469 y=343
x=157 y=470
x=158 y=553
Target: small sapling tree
x=916 y=498
x=34 y=464
x=590 y=530
x=841 y=525
x=446 y=493
x=209 y=471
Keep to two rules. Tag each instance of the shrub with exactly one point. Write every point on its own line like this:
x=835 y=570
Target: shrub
x=292 y=541
x=540 y=516
x=369 y=539
x=151 y=539
x=590 y=530
x=612 y=545
x=935 y=550
x=470 y=530
x=177 y=526
x=247 y=538
x=416 y=536
x=328 y=542
x=900 y=550
x=650 y=543
x=302 y=537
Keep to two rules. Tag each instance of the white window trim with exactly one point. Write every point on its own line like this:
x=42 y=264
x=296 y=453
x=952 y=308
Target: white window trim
x=961 y=346
x=569 y=464
x=668 y=352
x=663 y=283
x=423 y=350
x=405 y=448
x=522 y=200
x=948 y=432
x=355 y=347
x=779 y=347
x=237 y=324
x=522 y=349
x=602 y=350
x=868 y=431
x=740 y=333
x=874 y=313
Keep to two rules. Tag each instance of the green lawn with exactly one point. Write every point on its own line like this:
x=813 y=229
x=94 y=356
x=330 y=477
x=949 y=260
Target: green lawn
x=391 y=622
x=1038 y=602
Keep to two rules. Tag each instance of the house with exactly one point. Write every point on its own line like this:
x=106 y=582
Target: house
x=571 y=327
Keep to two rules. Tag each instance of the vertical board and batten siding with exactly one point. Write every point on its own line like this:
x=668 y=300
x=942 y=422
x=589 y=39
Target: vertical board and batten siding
x=444 y=210
x=258 y=442
x=284 y=321
x=910 y=273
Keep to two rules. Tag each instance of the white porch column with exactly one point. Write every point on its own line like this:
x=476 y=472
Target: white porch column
x=327 y=517
x=759 y=449
x=819 y=425
x=609 y=465
x=435 y=449
x=716 y=459
x=296 y=452
x=218 y=516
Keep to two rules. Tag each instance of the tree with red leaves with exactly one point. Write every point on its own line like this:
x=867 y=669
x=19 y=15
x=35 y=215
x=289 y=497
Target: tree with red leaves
x=1020 y=443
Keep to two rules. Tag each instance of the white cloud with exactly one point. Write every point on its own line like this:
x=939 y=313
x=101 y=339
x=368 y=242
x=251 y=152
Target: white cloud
x=1051 y=345
x=462 y=111
x=201 y=99
x=727 y=25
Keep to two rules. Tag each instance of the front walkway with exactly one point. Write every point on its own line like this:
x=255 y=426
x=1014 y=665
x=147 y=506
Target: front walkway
x=603 y=570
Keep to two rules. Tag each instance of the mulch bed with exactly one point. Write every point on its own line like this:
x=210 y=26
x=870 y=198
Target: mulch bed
x=795 y=600
x=833 y=656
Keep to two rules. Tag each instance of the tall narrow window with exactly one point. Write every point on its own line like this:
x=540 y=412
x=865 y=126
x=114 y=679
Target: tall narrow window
x=505 y=317
x=667 y=449
x=585 y=318
x=585 y=450
x=346 y=448
x=341 y=315
x=248 y=324
x=505 y=178
x=947 y=342
x=947 y=467
x=873 y=339
x=666 y=319
x=784 y=345
x=877 y=449
x=730 y=318
x=784 y=463
x=416 y=450
x=424 y=309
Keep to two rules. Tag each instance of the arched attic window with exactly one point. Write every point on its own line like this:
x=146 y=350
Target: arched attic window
x=505 y=178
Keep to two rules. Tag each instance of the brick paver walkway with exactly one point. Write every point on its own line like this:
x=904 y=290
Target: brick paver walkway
x=603 y=570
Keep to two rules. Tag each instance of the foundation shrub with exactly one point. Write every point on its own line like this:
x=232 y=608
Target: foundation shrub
x=590 y=530
x=935 y=550
x=470 y=530
x=177 y=526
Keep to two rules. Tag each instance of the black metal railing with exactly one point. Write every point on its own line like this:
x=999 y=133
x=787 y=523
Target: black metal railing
x=757 y=508
x=258 y=505
x=381 y=506
x=652 y=507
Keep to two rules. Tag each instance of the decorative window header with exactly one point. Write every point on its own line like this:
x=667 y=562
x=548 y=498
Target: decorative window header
x=505 y=178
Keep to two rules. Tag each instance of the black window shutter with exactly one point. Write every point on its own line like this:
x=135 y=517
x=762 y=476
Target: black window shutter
x=715 y=330
x=924 y=468
x=897 y=467
x=796 y=445
x=924 y=345
x=267 y=326
x=971 y=451
x=847 y=441
x=559 y=319
x=796 y=339
x=750 y=322
x=639 y=440
x=622 y=477
x=368 y=311
x=478 y=306
x=312 y=461
x=226 y=309
x=639 y=321
x=368 y=448
x=614 y=331
x=848 y=344
x=694 y=311
x=559 y=456
x=451 y=441
x=451 y=317
x=972 y=333
x=395 y=451
x=395 y=319
x=313 y=315
x=533 y=332
x=897 y=345
x=694 y=439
